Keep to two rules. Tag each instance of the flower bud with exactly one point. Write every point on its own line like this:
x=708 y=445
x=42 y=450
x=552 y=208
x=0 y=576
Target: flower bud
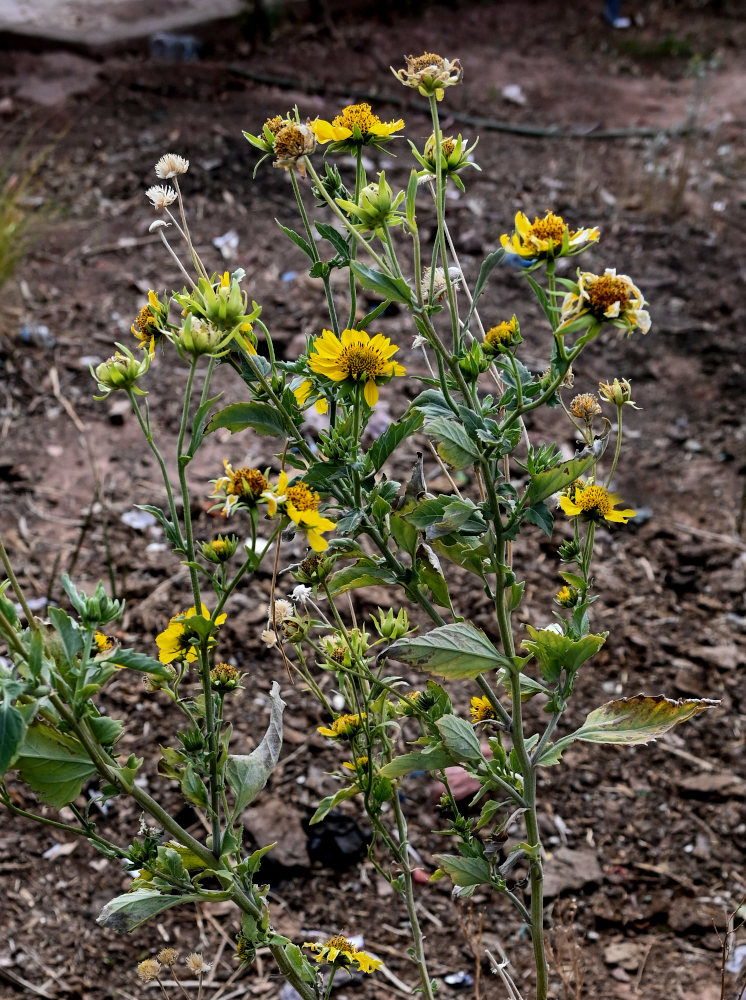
x=220 y=549
x=121 y=371
x=197 y=338
x=390 y=627
x=224 y=677
x=376 y=207
x=618 y=392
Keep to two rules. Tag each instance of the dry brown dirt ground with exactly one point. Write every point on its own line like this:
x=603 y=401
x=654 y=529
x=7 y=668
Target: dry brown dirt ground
x=647 y=847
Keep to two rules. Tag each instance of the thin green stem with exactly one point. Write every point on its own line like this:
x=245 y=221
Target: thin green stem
x=89 y=834
x=618 y=449
x=418 y=939
x=440 y=212
x=144 y=422
x=17 y=590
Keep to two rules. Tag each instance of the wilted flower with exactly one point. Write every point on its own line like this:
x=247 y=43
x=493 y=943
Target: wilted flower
x=430 y=74
x=356 y=126
x=585 y=406
x=197 y=965
x=305 y=391
x=438 y=280
x=167 y=956
x=547 y=237
x=171 y=165
x=161 y=196
x=269 y=637
x=280 y=611
x=149 y=970
x=619 y=392
x=243 y=486
x=293 y=142
x=609 y=296
x=356 y=357
x=594 y=503
x=151 y=323
x=199 y=337
x=301 y=594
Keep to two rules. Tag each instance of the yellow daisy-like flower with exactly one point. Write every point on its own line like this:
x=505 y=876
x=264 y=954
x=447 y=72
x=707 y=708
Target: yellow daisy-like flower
x=505 y=334
x=149 y=323
x=304 y=391
x=301 y=504
x=102 y=642
x=177 y=642
x=547 y=237
x=343 y=727
x=358 y=764
x=340 y=952
x=567 y=597
x=481 y=710
x=355 y=357
x=356 y=126
x=608 y=296
x=242 y=485
x=594 y=503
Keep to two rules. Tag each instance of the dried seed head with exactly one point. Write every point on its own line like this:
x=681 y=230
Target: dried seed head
x=161 y=196
x=167 y=956
x=171 y=165
x=585 y=406
x=196 y=964
x=149 y=969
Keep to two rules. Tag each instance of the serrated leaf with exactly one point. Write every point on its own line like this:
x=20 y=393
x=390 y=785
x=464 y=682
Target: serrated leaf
x=69 y=633
x=54 y=764
x=299 y=241
x=639 y=719
x=12 y=730
x=328 y=803
x=451 y=651
x=433 y=404
x=124 y=913
x=437 y=759
x=544 y=484
x=555 y=652
x=459 y=738
x=248 y=774
x=362 y=574
x=393 y=436
x=454 y=445
x=394 y=289
x=238 y=416
x=133 y=660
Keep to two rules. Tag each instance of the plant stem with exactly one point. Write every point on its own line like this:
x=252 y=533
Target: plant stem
x=417 y=935
x=32 y=623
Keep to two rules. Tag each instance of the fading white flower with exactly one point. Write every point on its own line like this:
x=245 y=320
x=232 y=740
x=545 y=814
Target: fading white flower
x=282 y=611
x=301 y=593
x=438 y=281
x=196 y=964
x=161 y=196
x=269 y=638
x=419 y=341
x=171 y=165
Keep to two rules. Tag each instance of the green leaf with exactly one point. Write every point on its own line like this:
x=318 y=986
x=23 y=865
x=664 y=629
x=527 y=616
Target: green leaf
x=541 y=516
x=328 y=803
x=444 y=515
x=454 y=445
x=394 y=289
x=54 y=764
x=393 y=436
x=336 y=239
x=639 y=719
x=248 y=774
x=199 y=421
x=435 y=759
x=405 y=535
x=133 y=660
x=433 y=404
x=107 y=731
x=410 y=212
x=543 y=300
x=459 y=738
x=69 y=633
x=307 y=249
x=172 y=530
x=124 y=913
x=464 y=872
x=194 y=788
x=544 y=484
x=12 y=730
x=469 y=553
x=556 y=652
x=238 y=416
x=373 y=315
x=362 y=574
x=450 y=651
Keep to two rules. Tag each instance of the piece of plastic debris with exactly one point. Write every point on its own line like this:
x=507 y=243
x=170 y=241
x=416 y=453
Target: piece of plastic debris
x=460 y=978
x=289 y=275
x=140 y=520
x=60 y=850
x=227 y=244
x=182 y=48
x=37 y=334
x=737 y=961
x=513 y=93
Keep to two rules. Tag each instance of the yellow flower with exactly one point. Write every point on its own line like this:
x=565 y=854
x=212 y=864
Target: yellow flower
x=304 y=391
x=343 y=727
x=243 y=485
x=505 y=334
x=547 y=237
x=358 y=764
x=481 y=709
x=593 y=503
x=301 y=504
x=609 y=296
x=567 y=597
x=356 y=126
x=150 y=323
x=342 y=953
x=355 y=357
x=102 y=642
x=178 y=641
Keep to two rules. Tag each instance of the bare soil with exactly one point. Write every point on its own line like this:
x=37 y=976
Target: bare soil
x=647 y=846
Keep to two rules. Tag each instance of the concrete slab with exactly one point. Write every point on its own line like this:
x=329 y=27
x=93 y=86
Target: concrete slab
x=95 y=26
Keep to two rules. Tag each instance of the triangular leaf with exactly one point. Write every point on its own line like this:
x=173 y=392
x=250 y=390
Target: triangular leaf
x=451 y=651
x=639 y=719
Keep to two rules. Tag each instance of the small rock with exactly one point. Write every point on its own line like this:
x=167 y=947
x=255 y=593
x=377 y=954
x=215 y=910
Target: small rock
x=571 y=869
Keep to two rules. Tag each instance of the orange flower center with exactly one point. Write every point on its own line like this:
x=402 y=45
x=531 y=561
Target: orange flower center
x=425 y=60
x=499 y=333
x=361 y=361
x=275 y=124
x=302 y=498
x=603 y=292
x=357 y=114
x=247 y=482
x=594 y=499
x=551 y=227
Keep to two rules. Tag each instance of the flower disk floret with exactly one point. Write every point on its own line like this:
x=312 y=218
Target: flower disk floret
x=301 y=504
x=356 y=126
x=610 y=297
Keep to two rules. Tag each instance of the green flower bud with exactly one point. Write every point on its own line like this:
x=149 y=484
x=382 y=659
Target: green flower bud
x=390 y=627
x=197 y=337
x=220 y=549
x=619 y=392
x=221 y=303
x=224 y=677
x=376 y=207
x=121 y=371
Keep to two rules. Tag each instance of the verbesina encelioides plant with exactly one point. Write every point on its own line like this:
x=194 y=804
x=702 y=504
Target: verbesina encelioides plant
x=363 y=529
